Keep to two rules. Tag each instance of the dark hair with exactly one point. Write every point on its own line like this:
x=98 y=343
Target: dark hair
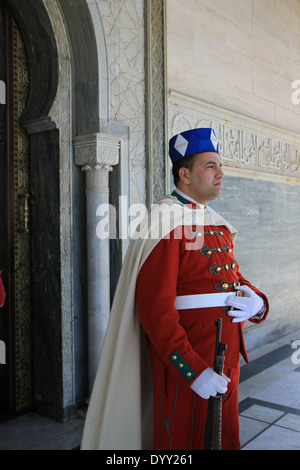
x=185 y=162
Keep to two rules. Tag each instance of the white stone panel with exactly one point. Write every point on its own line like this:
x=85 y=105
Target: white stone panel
x=124 y=28
x=242 y=57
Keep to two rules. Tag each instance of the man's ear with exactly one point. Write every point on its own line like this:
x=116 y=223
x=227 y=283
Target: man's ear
x=184 y=175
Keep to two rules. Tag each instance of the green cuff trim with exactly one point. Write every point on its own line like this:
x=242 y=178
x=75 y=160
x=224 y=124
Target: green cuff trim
x=183 y=367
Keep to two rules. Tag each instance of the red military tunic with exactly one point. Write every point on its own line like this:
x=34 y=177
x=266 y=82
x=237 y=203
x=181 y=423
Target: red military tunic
x=2 y=292
x=182 y=343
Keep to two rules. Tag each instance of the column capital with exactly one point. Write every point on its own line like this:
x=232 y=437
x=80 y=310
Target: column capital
x=97 y=149
x=97 y=178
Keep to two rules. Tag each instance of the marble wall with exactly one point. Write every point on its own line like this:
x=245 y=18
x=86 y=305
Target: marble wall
x=242 y=57
x=261 y=199
x=124 y=29
x=232 y=68
x=267 y=217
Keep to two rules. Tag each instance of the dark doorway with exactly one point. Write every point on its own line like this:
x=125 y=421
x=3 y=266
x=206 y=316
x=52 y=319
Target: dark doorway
x=15 y=236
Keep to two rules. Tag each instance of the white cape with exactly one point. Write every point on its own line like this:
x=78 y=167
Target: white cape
x=120 y=412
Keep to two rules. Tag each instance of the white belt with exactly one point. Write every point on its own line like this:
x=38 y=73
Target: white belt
x=185 y=302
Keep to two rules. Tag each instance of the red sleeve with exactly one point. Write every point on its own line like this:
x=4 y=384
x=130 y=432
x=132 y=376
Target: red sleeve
x=2 y=293
x=244 y=282
x=156 y=293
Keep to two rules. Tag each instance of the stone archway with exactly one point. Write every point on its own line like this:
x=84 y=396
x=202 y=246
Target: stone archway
x=47 y=120
x=68 y=97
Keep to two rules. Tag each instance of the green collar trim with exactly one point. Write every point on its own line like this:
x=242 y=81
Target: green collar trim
x=180 y=198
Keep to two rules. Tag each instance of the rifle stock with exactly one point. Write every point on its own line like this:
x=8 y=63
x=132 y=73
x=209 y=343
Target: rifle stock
x=213 y=427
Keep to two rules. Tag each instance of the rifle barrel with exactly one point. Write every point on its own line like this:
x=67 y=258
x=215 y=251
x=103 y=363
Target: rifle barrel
x=213 y=429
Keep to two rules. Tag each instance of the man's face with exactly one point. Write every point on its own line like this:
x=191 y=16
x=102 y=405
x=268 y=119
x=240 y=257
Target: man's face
x=204 y=182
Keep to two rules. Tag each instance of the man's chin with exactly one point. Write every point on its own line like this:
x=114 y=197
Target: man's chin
x=216 y=194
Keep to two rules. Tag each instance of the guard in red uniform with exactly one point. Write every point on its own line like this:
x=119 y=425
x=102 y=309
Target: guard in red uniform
x=2 y=292
x=178 y=311
x=179 y=275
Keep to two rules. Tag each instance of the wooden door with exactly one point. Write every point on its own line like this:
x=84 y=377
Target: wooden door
x=15 y=238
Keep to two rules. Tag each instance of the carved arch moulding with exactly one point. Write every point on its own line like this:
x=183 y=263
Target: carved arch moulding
x=248 y=148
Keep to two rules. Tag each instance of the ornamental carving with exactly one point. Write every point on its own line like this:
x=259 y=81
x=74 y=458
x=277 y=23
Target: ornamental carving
x=97 y=149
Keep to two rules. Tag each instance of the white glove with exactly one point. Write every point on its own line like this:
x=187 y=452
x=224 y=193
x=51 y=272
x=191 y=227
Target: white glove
x=209 y=383
x=248 y=306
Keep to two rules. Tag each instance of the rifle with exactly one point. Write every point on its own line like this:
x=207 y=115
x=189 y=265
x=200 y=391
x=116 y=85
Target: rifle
x=213 y=427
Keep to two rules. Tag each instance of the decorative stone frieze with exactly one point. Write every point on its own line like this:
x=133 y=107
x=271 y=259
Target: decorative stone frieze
x=156 y=174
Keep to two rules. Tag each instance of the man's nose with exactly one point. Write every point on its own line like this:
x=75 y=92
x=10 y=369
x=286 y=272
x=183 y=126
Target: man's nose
x=220 y=173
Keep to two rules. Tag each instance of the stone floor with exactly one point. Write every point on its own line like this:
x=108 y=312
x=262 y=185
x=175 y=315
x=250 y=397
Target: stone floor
x=35 y=432
x=269 y=397
x=269 y=407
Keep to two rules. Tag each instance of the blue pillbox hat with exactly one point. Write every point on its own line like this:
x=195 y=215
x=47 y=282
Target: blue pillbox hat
x=191 y=142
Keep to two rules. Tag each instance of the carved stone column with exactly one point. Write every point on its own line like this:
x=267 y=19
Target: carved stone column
x=97 y=154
